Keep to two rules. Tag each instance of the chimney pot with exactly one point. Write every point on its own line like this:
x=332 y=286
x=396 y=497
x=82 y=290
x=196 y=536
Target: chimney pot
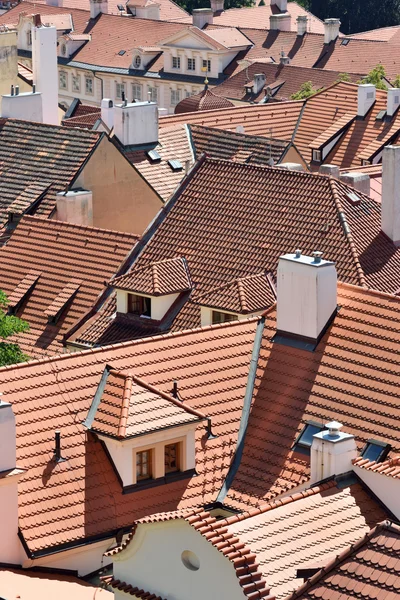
x=302 y=21
x=317 y=255
x=298 y=253
x=12 y=90
x=17 y=90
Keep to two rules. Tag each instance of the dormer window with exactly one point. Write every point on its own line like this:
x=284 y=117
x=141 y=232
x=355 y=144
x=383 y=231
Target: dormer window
x=171 y=457
x=143 y=465
x=139 y=305
x=137 y=61
x=305 y=439
x=222 y=317
x=317 y=156
x=376 y=450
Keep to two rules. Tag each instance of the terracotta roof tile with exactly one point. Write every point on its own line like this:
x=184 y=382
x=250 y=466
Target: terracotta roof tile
x=169 y=276
x=42 y=267
x=121 y=586
x=333 y=130
x=205 y=100
x=390 y=467
x=85 y=121
x=81 y=21
x=368 y=569
x=126 y=406
x=211 y=367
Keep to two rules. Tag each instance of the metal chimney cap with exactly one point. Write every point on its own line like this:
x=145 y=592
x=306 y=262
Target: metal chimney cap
x=297 y=253
x=317 y=255
x=334 y=427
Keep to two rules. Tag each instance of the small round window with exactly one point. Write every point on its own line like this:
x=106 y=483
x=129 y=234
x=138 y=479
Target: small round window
x=136 y=61
x=190 y=560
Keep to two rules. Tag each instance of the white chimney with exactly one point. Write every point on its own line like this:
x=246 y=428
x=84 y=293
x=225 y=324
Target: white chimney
x=366 y=96
x=332 y=170
x=136 y=124
x=26 y=106
x=280 y=22
x=331 y=30
x=390 y=207
x=97 y=7
x=258 y=82
x=10 y=546
x=45 y=70
x=217 y=6
x=107 y=112
x=393 y=101
x=307 y=288
x=291 y=166
x=302 y=21
x=332 y=452
x=280 y=4
x=202 y=16
x=75 y=206
x=58 y=3
x=359 y=181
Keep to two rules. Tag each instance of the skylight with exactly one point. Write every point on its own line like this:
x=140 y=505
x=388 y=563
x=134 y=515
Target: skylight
x=153 y=156
x=175 y=165
x=376 y=450
x=304 y=441
x=381 y=115
x=345 y=42
x=353 y=198
x=121 y=52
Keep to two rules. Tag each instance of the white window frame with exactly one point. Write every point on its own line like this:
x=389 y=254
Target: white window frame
x=175 y=97
x=89 y=92
x=191 y=64
x=136 y=87
x=120 y=88
x=61 y=75
x=153 y=94
x=317 y=156
x=76 y=83
x=177 y=60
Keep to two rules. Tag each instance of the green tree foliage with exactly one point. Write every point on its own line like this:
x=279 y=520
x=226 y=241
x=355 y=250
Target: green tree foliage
x=357 y=15
x=376 y=77
x=306 y=90
x=396 y=82
x=343 y=77
x=10 y=353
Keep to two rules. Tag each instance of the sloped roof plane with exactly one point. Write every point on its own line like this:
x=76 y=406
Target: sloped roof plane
x=170 y=276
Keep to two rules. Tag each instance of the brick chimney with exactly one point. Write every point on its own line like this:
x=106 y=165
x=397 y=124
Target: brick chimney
x=280 y=22
x=366 y=96
x=302 y=22
x=307 y=289
x=202 y=16
x=136 y=123
x=393 y=101
x=280 y=4
x=332 y=452
x=331 y=30
x=97 y=7
x=390 y=207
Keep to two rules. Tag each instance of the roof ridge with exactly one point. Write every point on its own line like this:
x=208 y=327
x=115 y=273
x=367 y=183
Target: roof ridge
x=242 y=295
x=229 y=283
x=55 y=222
x=341 y=557
x=85 y=132
x=126 y=398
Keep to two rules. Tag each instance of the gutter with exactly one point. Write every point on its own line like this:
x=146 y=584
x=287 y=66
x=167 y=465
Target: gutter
x=233 y=469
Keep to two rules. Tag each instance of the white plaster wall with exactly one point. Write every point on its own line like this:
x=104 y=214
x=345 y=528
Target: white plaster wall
x=26 y=106
x=166 y=575
x=11 y=550
x=386 y=488
x=161 y=304
x=45 y=71
x=136 y=123
x=391 y=193
x=8 y=447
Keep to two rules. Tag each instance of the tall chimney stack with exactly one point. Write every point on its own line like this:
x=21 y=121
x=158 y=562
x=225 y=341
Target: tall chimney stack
x=302 y=21
x=331 y=30
x=307 y=296
x=332 y=452
x=393 y=101
x=366 y=95
x=45 y=70
x=390 y=207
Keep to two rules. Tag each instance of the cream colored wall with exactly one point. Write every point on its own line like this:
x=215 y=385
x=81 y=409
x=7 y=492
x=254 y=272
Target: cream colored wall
x=159 y=304
x=165 y=574
x=293 y=156
x=206 y=315
x=8 y=61
x=386 y=488
x=122 y=200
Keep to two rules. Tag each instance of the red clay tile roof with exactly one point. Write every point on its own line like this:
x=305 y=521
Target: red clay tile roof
x=127 y=406
x=367 y=569
x=121 y=586
x=81 y=21
x=33 y=156
x=353 y=376
x=333 y=130
x=54 y=254
x=86 y=121
x=81 y=497
x=205 y=100
x=161 y=278
x=390 y=467
x=245 y=295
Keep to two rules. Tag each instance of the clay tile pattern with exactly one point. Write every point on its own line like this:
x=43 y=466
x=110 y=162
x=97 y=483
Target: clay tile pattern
x=33 y=156
x=243 y=296
x=82 y=497
x=367 y=570
x=129 y=407
x=169 y=276
x=333 y=130
x=121 y=586
x=81 y=21
x=85 y=121
x=66 y=256
x=353 y=376
x=390 y=467
x=205 y=100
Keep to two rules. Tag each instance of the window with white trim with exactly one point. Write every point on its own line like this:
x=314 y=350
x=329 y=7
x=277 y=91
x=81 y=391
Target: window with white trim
x=207 y=65
x=191 y=64
x=175 y=97
x=76 y=83
x=136 y=91
x=89 y=85
x=29 y=37
x=316 y=155
x=63 y=80
x=153 y=94
x=119 y=90
x=176 y=62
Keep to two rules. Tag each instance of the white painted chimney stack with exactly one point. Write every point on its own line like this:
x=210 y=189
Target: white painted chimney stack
x=280 y=22
x=331 y=30
x=10 y=546
x=136 y=123
x=332 y=452
x=27 y=106
x=332 y=170
x=390 y=207
x=359 y=181
x=45 y=70
x=393 y=101
x=302 y=21
x=97 y=7
x=107 y=112
x=202 y=16
x=280 y=4
x=366 y=96
x=259 y=82
x=307 y=295
x=75 y=206
x=217 y=6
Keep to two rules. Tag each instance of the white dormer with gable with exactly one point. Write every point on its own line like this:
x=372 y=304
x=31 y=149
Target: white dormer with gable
x=193 y=51
x=69 y=43
x=142 y=57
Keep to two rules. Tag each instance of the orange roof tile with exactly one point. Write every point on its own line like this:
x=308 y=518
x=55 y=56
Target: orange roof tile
x=65 y=256
x=205 y=100
x=333 y=130
x=367 y=569
x=390 y=467
x=160 y=278
x=343 y=379
x=81 y=497
x=121 y=586
x=81 y=22
x=126 y=406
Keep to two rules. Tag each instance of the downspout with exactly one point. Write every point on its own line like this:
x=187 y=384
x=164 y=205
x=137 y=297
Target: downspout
x=102 y=83
x=244 y=420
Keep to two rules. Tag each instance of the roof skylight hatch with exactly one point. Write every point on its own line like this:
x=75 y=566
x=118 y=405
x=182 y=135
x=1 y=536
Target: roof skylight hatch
x=381 y=115
x=353 y=198
x=375 y=450
x=304 y=441
x=153 y=156
x=121 y=52
x=345 y=42
x=175 y=165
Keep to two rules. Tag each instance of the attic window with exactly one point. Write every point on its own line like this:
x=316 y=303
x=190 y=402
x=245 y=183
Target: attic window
x=375 y=450
x=381 y=115
x=175 y=165
x=304 y=441
x=222 y=317
x=317 y=156
x=121 y=52
x=345 y=42
x=153 y=156
x=139 y=305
